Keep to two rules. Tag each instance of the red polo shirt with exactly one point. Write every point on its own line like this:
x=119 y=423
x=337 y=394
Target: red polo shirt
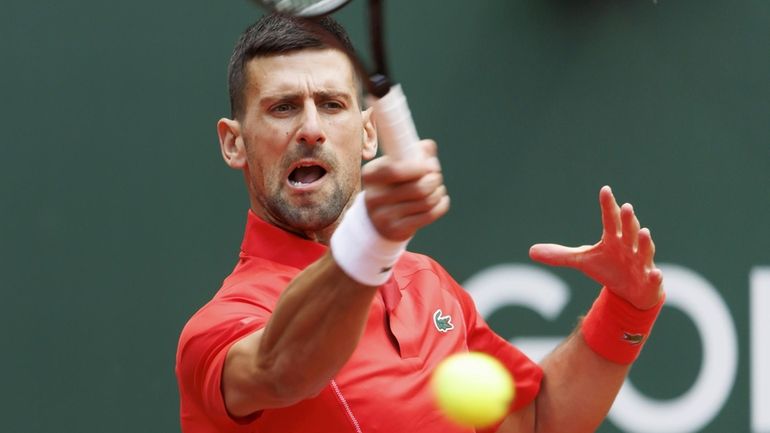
x=384 y=386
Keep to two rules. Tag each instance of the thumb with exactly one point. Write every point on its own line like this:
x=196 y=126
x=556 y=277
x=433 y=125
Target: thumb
x=557 y=255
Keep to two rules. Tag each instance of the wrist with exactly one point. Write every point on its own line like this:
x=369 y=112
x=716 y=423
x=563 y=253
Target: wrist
x=360 y=250
x=617 y=330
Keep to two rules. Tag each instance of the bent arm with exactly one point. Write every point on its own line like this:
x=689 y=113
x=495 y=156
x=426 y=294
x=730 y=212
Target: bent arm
x=576 y=394
x=314 y=329
x=579 y=385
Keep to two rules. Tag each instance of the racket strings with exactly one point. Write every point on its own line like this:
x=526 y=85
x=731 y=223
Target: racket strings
x=306 y=8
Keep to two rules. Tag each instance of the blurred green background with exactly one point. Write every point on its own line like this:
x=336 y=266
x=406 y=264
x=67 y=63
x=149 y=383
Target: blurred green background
x=119 y=218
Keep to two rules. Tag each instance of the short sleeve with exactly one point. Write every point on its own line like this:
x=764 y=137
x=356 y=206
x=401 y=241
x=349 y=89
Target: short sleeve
x=201 y=354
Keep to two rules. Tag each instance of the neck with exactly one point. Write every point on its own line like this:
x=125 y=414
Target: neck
x=321 y=235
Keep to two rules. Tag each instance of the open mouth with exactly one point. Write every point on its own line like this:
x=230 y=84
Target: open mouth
x=306 y=174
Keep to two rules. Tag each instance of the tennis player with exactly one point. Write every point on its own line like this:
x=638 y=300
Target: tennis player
x=327 y=324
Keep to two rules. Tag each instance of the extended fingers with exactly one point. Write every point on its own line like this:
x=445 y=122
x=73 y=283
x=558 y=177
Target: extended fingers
x=646 y=249
x=610 y=213
x=558 y=255
x=655 y=278
x=619 y=222
x=630 y=228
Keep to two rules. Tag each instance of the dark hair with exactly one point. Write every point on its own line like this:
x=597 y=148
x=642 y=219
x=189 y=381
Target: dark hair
x=278 y=34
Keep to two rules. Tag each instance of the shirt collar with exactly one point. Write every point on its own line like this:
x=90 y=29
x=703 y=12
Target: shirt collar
x=262 y=239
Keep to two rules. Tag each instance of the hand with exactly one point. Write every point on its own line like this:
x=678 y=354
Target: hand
x=622 y=260
x=403 y=196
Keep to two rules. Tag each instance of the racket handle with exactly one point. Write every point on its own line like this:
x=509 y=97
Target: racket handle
x=395 y=128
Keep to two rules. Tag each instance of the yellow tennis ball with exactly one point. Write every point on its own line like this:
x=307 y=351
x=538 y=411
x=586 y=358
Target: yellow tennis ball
x=473 y=389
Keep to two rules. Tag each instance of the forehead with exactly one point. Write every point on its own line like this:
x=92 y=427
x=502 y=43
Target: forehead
x=324 y=69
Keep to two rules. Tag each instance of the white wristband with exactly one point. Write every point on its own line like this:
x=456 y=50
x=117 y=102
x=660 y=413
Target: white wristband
x=360 y=250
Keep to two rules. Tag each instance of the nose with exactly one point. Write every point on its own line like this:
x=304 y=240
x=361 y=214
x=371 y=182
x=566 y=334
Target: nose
x=311 y=131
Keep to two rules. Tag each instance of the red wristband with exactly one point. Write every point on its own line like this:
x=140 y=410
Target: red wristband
x=615 y=329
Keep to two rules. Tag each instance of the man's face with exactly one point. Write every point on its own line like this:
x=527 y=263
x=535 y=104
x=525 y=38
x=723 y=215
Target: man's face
x=304 y=136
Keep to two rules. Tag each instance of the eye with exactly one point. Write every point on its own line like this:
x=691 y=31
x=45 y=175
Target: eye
x=282 y=108
x=332 y=105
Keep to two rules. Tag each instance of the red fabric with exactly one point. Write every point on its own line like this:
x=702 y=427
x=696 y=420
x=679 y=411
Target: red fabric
x=384 y=386
x=615 y=329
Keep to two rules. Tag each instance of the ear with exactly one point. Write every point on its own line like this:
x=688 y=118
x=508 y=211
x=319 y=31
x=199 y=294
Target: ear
x=231 y=143
x=370 y=135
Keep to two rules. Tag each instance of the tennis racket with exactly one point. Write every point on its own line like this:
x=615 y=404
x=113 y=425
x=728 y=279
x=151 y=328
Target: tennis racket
x=395 y=127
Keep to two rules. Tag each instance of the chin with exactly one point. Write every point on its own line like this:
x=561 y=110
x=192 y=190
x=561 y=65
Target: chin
x=310 y=212
x=311 y=218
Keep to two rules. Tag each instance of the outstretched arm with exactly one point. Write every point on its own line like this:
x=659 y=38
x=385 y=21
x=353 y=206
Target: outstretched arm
x=579 y=385
x=320 y=316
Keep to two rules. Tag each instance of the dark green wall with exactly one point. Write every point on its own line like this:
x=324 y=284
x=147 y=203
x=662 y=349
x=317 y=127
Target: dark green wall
x=118 y=218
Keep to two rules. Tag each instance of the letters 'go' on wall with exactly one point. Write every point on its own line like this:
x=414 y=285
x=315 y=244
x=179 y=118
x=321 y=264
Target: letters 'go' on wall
x=541 y=291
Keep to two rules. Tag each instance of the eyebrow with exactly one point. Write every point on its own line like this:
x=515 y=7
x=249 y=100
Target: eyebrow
x=320 y=94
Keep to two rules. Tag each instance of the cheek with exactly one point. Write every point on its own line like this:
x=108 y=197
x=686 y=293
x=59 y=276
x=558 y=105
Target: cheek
x=273 y=137
x=352 y=136
x=352 y=170
x=267 y=142
x=267 y=132
x=263 y=163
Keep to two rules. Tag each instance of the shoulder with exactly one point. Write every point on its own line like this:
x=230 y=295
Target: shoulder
x=414 y=267
x=242 y=305
x=410 y=263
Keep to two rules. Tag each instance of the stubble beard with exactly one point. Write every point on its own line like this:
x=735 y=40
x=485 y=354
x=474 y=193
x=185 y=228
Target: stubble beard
x=320 y=211
x=312 y=217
